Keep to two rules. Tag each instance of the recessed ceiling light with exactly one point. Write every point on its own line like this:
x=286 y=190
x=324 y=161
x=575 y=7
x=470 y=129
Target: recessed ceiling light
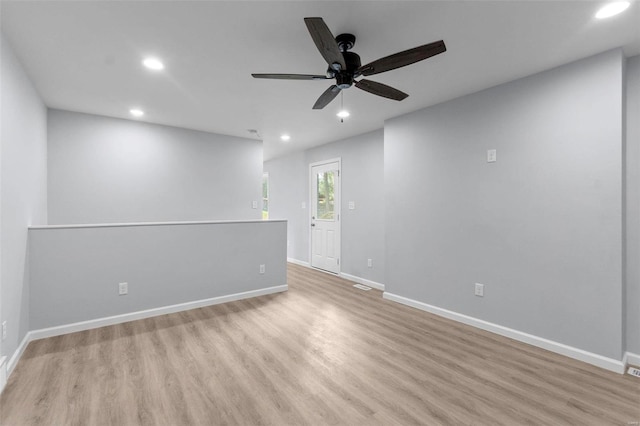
x=136 y=112
x=285 y=137
x=343 y=113
x=612 y=9
x=153 y=64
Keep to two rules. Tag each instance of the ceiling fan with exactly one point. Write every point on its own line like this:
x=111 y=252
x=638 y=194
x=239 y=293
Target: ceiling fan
x=345 y=66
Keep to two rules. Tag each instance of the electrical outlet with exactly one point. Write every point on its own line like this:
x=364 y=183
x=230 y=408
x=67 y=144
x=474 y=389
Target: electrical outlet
x=492 y=156
x=369 y=263
x=479 y=290
x=303 y=205
x=262 y=269
x=352 y=205
x=123 y=288
x=4 y=330
x=254 y=204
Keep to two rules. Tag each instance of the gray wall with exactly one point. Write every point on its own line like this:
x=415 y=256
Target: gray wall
x=23 y=190
x=108 y=170
x=288 y=189
x=633 y=205
x=362 y=181
x=541 y=227
x=75 y=271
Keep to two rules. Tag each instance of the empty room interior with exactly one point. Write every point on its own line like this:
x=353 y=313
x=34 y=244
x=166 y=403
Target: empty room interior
x=320 y=212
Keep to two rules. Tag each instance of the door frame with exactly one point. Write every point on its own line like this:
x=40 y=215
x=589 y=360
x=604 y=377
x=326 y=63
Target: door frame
x=338 y=209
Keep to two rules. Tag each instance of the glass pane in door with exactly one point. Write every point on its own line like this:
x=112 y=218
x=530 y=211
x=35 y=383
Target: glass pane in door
x=325 y=200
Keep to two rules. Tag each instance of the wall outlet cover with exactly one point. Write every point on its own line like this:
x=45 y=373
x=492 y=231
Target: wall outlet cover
x=479 y=290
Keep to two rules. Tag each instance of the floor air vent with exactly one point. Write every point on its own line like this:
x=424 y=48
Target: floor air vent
x=634 y=371
x=362 y=287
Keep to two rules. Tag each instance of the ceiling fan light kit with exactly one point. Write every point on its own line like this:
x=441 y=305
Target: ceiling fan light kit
x=345 y=66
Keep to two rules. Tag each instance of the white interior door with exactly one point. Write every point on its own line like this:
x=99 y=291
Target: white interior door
x=325 y=216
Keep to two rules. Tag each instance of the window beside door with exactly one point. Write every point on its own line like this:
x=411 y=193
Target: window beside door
x=265 y=196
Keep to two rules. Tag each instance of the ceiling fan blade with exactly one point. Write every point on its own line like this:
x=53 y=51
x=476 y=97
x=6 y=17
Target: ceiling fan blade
x=380 y=89
x=403 y=58
x=325 y=42
x=291 y=76
x=327 y=97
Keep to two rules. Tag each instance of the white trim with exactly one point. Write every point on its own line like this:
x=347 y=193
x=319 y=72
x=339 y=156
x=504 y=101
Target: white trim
x=119 y=225
x=364 y=281
x=560 y=348
x=18 y=353
x=631 y=359
x=329 y=161
x=118 y=319
x=298 y=262
x=3 y=373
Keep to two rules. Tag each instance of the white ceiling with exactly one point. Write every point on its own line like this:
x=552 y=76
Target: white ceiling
x=86 y=56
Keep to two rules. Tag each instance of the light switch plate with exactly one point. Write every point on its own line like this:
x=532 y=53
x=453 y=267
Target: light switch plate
x=352 y=205
x=123 y=288
x=492 y=156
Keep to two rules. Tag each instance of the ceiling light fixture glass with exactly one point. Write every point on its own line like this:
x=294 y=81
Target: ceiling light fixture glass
x=136 y=112
x=612 y=9
x=343 y=113
x=285 y=137
x=153 y=64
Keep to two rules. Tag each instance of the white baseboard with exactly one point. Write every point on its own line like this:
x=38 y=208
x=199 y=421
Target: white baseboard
x=346 y=276
x=298 y=262
x=560 y=348
x=17 y=354
x=3 y=373
x=118 y=319
x=364 y=281
x=631 y=359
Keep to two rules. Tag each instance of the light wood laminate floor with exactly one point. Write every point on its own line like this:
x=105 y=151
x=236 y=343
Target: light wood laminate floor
x=321 y=353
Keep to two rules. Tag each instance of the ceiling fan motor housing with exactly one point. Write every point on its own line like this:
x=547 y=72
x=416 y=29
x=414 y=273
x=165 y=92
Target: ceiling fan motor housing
x=344 y=78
